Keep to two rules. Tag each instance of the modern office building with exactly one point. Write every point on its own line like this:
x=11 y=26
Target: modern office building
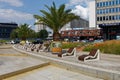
x=6 y=29
x=108 y=18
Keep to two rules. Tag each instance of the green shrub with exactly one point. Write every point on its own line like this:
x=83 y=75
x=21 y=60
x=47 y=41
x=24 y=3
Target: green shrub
x=71 y=44
x=88 y=48
x=2 y=41
x=109 y=47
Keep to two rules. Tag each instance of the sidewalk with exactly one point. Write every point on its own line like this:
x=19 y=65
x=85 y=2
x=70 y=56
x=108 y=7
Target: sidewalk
x=108 y=67
x=26 y=67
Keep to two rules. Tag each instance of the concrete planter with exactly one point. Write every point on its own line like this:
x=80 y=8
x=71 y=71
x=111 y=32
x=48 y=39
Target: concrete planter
x=56 y=47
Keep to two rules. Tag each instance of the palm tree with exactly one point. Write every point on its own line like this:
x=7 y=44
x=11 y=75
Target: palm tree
x=56 y=18
x=24 y=31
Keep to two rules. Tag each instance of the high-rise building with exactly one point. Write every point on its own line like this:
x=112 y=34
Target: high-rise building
x=108 y=18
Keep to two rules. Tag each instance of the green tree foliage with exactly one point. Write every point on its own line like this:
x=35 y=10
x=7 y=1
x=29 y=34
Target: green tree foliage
x=43 y=34
x=14 y=34
x=23 y=32
x=55 y=18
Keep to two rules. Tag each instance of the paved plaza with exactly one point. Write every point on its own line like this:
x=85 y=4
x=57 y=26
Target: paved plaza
x=12 y=60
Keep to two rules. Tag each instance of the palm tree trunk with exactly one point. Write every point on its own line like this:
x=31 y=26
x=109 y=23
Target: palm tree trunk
x=56 y=36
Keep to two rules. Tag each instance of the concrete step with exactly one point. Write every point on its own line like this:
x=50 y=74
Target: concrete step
x=17 y=71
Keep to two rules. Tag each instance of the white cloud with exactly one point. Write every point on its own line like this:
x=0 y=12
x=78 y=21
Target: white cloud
x=16 y=3
x=81 y=7
x=78 y=2
x=11 y=15
x=81 y=11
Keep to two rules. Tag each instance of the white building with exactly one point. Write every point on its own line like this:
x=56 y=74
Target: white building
x=39 y=26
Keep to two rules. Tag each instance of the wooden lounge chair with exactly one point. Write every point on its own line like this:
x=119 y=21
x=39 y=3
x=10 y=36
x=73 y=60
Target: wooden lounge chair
x=69 y=52
x=93 y=55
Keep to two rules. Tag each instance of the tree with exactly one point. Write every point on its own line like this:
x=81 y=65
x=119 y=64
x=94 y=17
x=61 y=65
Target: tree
x=43 y=34
x=14 y=34
x=56 y=18
x=24 y=31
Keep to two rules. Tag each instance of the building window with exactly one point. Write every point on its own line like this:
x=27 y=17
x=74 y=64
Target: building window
x=112 y=3
x=103 y=11
x=97 y=11
x=107 y=10
x=109 y=17
x=113 y=18
x=100 y=18
x=109 y=3
x=97 y=18
x=100 y=4
x=110 y=10
x=117 y=17
x=97 y=4
x=100 y=11
x=106 y=18
x=106 y=3
x=103 y=18
x=103 y=4
x=117 y=9
x=113 y=10
x=117 y=2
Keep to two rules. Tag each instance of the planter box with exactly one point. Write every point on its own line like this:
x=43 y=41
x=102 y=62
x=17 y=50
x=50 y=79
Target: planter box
x=56 y=50
x=56 y=47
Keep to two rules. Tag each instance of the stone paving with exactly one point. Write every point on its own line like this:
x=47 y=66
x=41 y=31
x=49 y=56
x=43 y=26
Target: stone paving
x=51 y=73
x=12 y=60
x=108 y=67
x=8 y=62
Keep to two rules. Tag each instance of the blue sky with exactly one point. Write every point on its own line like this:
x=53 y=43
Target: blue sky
x=22 y=11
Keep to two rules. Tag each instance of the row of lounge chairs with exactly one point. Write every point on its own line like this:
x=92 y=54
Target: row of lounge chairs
x=93 y=55
x=35 y=47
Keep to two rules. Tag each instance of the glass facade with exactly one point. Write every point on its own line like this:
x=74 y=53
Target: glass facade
x=6 y=29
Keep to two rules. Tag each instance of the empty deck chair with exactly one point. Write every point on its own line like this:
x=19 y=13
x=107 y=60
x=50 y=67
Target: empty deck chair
x=93 y=55
x=69 y=52
x=39 y=47
x=33 y=47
